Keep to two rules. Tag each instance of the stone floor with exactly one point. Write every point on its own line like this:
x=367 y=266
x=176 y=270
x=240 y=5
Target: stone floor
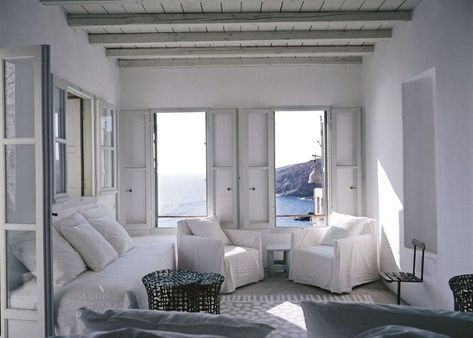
x=280 y=285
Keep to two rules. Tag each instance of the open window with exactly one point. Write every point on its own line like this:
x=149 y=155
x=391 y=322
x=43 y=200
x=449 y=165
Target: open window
x=300 y=168
x=180 y=158
x=73 y=126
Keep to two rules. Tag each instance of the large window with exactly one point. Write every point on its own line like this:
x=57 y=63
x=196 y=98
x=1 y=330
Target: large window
x=180 y=163
x=300 y=168
x=78 y=137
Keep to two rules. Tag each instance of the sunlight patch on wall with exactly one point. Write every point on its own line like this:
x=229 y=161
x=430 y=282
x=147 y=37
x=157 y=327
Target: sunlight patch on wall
x=390 y=212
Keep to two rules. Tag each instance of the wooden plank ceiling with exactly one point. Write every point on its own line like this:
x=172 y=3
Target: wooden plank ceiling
x=169 y=33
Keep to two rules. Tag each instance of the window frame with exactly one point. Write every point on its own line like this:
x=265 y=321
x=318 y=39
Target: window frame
x=101 y=148
x=154 y=150
x=68 y=87
x=327 y=153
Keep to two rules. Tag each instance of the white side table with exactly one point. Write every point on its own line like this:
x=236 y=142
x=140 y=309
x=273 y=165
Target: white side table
x=278 y=265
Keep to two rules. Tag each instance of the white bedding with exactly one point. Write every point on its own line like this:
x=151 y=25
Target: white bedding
x=118 y=286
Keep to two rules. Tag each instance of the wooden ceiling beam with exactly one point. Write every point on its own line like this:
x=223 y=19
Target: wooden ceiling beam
x=222 y=52
x=208 y=62
x=238 y=37
x=245 y=18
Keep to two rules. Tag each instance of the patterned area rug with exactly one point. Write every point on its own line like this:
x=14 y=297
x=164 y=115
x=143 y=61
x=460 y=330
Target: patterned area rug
x=282 y=312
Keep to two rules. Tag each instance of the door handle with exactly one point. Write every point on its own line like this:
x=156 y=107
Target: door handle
x=228 y=189
x=352 y=187
x=129 y=190
x=253 y=188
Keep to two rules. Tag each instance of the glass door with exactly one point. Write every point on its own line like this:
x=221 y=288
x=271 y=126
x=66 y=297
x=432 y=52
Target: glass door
x=25 y=192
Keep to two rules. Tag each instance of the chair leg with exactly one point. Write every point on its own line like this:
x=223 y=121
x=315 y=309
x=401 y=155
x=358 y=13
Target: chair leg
x=398 y=293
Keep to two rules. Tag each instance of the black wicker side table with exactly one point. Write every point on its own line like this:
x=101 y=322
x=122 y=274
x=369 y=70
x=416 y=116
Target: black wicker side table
x=183 y=290
x=462 y=288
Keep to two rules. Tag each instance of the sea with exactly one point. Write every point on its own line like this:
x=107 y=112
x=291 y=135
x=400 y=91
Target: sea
x=185 y=195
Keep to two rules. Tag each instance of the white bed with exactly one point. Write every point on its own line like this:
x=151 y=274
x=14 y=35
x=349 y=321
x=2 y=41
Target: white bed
x=118 y=286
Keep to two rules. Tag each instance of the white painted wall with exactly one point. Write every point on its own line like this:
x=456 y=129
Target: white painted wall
x=440 y=36
x=240 y=87
x=27 y=22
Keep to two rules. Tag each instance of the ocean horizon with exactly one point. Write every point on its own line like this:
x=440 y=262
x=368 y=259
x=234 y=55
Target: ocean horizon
x=185 y=195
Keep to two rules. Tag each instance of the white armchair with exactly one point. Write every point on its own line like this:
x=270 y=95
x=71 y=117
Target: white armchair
x=349 y=262
x=240 y=261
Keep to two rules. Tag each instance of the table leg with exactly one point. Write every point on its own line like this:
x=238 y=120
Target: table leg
x=398 y=293
x=270 y=262
x=286 y=261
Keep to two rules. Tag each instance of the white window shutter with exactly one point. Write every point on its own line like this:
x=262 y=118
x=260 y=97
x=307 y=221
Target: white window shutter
x=136 y=195
x=222 y=171
x=257 y=204
x=345 y=160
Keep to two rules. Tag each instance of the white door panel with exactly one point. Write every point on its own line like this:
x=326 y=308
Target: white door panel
x=223 y=131
x=135 y=140
x=346 y=194
x=256 y=161
x=26 y=153
x=222 y=169
x=135 y=196
x=258 y=140
x=345 y=173
x=224 y=196
x=346 y=138
x=136 y=175
x=258 y=196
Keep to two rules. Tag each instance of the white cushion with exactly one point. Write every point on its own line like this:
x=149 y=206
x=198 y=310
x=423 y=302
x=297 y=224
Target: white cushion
x=397 y=331
x=207 y=227
x=354 y=225
x=182 y=322
x=138 y=333
x=313 y=265
x=333 y=233
x=67 y=263
x=242 y=266
x=23 y=246
x=103 y=221
x=321 y=319
x=91 y=245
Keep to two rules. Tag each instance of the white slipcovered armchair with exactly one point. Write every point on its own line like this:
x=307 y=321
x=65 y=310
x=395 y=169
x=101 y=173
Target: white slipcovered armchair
x=346 y=259
x=238 y=257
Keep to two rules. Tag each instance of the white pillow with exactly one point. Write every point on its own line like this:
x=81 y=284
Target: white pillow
x=23 y=246
x=67 y=263
x=172 y=321
x=397 y=331
x=207 y=227
x=138 y=333
x=321 y=319
x=103 y=221
x=333 y=233
x=94 y=249
x=355 y=225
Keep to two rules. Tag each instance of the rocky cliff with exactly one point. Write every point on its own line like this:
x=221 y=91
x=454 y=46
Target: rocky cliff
x=292 y=180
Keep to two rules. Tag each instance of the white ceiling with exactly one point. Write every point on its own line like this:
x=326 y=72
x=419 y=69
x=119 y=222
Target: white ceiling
x=231 y=28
